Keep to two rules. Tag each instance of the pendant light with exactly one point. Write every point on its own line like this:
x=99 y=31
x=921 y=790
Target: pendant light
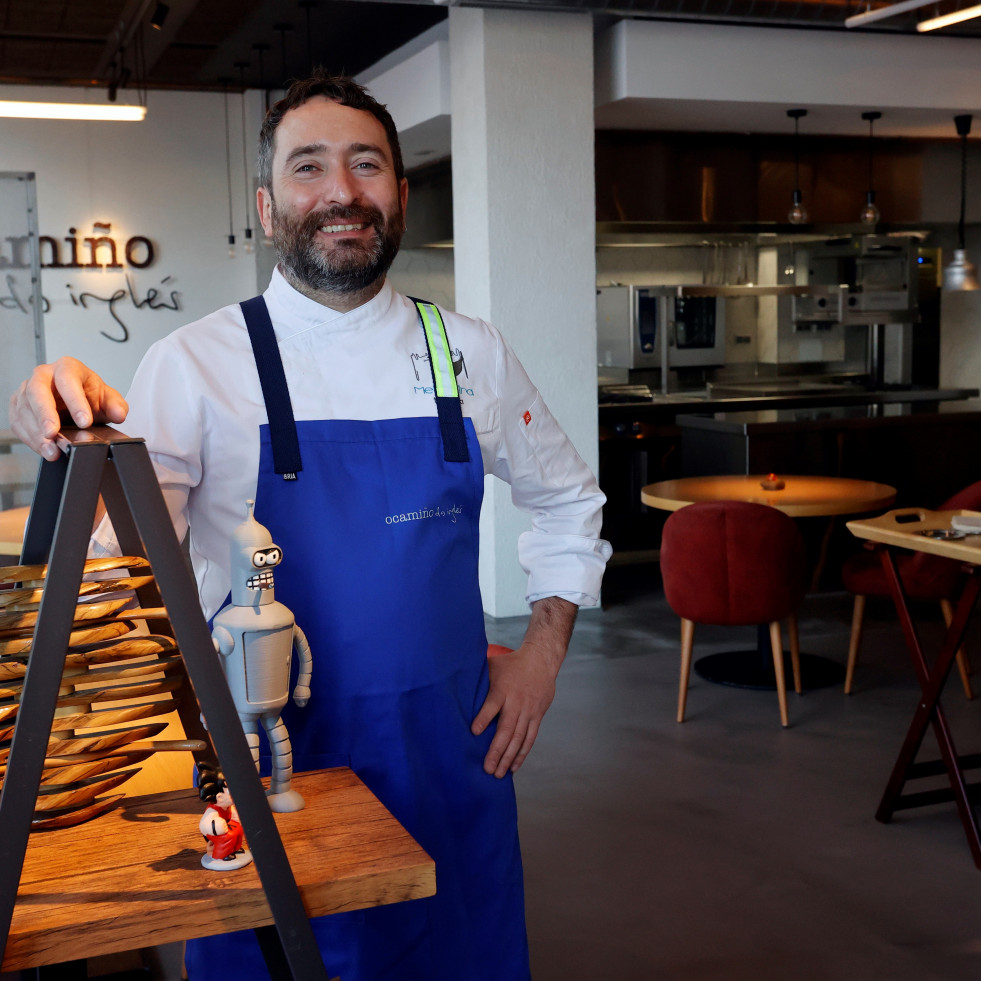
x=798 y=213
x=260 y=48
x=870 y=213
x=309 y=5
x=228 y=172
x=961 y=274
x=246 y=183
x=283 y=29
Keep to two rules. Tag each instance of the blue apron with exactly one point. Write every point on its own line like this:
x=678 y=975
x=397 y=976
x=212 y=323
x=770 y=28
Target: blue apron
x=378 y=522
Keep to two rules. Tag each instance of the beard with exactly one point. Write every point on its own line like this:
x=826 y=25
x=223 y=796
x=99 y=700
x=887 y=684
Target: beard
x=346 y=265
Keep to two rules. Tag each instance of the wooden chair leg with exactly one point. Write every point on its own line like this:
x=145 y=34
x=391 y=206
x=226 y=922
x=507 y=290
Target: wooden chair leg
x=963 y=665
x=687 y=642
x=795 y=651
x=776 y=645
x=858 y=616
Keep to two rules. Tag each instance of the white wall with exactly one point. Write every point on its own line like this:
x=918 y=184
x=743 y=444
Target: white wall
x=740 y=78
x=164 y=178
x=524 y=228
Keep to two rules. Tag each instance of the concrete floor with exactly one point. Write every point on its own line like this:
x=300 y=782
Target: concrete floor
x=727 y=847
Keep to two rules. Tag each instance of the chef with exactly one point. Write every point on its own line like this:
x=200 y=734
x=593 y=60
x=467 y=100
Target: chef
x=362 y=422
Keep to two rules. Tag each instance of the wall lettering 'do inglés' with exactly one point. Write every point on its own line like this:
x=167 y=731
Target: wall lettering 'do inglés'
x=99 y=252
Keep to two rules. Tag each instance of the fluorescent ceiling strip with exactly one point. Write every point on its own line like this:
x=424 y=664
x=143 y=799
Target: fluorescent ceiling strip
x=945 y=20
x=72 y=110
x=881 y=13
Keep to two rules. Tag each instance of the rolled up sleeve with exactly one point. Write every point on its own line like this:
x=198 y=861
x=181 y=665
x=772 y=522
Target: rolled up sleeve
x=563 y=554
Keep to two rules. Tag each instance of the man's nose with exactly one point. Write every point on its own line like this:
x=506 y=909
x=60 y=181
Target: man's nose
x=340 y=187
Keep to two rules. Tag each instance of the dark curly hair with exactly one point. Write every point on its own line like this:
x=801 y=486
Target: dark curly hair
x=211 y=782
x=338 y=88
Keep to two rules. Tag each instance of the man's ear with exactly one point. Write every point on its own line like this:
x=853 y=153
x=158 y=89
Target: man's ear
x=264 y=201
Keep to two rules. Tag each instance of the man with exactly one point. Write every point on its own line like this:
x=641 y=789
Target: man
x=310 y=400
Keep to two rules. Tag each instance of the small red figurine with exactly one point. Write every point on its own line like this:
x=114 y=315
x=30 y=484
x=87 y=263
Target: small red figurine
x=220 y=824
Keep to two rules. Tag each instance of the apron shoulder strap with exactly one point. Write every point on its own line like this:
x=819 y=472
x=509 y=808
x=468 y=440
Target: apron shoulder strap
x=275 y=392
x=447 y=391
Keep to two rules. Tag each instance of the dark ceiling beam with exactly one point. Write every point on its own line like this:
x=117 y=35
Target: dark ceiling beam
x=56 y=38
x=120 y=36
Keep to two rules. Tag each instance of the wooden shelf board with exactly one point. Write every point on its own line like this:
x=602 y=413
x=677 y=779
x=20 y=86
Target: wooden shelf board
x=133 y=877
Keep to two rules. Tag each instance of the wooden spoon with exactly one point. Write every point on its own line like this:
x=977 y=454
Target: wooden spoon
x=116 y=628
x=70 y=818
x=68 y=771
x=12 y=623
x=96 y=741
x=101 y=717
x=37 y=573
x=30 y=599
x=82 y=794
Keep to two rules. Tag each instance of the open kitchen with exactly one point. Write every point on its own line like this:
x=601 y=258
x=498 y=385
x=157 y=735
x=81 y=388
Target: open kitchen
x=731 y=339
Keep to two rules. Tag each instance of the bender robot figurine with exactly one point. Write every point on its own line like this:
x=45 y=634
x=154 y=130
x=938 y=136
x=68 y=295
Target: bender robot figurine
x=255 y=636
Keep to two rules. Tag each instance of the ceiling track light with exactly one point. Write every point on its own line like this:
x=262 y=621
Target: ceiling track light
x=159 y=16
x=960 y=274
x=945 y=20
x=881 y=13
x=870 y=213
x=798 y=213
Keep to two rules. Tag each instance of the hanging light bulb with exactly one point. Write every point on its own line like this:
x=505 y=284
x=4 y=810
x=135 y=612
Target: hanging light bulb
x=246 y=183
x=798 y=213
x=228 y=173
x=961 y=274
x=870 y=213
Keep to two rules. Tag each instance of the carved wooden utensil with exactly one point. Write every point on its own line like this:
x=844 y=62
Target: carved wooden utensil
x=30 y=599
x=35 y=574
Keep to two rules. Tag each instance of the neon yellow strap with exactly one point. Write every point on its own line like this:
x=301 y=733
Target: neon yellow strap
x=444 y=377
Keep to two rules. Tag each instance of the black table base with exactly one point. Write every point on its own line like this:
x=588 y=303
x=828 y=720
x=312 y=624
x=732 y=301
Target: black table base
x=754 y=668
x=748 y=669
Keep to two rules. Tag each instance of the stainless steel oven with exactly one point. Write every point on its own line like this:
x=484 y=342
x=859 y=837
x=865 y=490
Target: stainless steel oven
x=658 y=326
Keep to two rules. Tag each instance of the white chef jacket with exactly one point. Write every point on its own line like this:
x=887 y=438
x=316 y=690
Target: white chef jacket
x=197 y=401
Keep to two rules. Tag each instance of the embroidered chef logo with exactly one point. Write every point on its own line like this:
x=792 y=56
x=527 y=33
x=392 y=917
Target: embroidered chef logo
x=456 y=356
x=452 y=512
x=426 y=376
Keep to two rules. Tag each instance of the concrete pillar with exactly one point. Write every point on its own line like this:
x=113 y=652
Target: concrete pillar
x=524 y=228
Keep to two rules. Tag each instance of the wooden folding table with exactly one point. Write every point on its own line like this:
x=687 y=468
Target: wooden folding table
x=903 y=529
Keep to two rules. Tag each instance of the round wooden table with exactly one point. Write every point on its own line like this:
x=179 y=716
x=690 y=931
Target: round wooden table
x=800 y=497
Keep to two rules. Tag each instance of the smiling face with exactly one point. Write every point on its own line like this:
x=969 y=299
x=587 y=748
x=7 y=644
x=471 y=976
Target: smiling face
x=335 y=209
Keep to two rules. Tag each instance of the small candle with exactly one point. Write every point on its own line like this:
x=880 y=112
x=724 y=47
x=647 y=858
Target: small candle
x=772 y=482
